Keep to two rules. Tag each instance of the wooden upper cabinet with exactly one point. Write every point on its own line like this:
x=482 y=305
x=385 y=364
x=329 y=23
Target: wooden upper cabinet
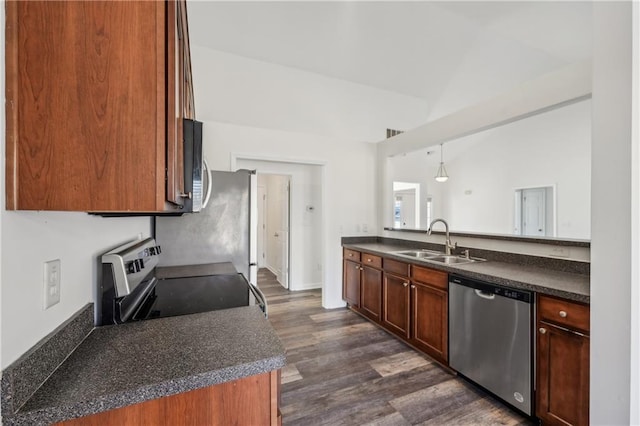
x=91 y=91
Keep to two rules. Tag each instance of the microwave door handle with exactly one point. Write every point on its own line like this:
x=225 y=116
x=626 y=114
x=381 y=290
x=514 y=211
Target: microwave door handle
x=208 y=174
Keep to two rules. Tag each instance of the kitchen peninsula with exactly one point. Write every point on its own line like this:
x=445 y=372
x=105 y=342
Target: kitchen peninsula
x=200 y=365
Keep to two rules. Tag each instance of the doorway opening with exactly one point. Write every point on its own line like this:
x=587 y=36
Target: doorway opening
x=274 y=226
x=535 y=211
x=406 y=205
x=296 y=254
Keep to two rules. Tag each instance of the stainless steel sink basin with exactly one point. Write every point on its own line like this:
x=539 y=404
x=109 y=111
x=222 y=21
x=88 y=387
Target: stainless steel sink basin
x=436 y=256
x=420 y=254
x=452 y=260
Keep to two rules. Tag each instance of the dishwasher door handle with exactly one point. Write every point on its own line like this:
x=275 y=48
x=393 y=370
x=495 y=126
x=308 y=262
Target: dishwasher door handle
x=485 y=294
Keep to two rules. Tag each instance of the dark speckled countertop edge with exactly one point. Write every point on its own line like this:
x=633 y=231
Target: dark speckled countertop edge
x=270 y=357
x=469 y=270
x=50 y=415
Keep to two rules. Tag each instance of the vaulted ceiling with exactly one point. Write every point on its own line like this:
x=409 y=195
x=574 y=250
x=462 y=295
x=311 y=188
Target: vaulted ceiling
x=448 y=53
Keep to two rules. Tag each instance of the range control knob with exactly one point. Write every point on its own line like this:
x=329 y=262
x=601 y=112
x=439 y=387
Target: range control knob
x=132 y=267
x=158 y=250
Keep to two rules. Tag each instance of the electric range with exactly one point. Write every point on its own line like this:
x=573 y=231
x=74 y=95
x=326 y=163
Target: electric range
x=133 y=288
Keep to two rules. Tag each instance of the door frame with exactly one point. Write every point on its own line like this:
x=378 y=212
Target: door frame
x=326 y=251
x=553 y=220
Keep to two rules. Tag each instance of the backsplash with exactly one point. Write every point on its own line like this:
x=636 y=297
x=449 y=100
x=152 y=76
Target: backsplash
x=23 y=377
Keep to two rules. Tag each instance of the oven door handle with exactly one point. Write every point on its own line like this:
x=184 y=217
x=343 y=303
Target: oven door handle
x=260 y=295
x=208 y=174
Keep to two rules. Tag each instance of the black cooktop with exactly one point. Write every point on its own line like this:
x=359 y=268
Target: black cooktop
x=132 y=286
x=191 y=295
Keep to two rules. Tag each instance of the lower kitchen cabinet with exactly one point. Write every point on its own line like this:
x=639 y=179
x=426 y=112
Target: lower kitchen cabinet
x=396 y=304
x=371 y=292
x=362 y=283
x=429 y=330
x=415 y=306
x=562 y=362
x=429 y=312
x=351 y=283
x=253 y=400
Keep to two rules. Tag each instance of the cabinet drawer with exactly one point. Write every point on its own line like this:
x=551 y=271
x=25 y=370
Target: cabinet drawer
x=371 y=260
x=563 y=312
x=351 y=255
x=430 y=276
x=395 y=267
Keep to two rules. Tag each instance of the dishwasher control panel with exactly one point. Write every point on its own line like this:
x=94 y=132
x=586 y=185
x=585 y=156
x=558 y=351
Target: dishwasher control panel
x=522 y=295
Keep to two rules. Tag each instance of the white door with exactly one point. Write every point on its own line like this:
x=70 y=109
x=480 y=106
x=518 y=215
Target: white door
x=533 y=211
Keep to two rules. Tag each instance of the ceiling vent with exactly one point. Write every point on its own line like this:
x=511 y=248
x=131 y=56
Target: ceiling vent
x=391 y=133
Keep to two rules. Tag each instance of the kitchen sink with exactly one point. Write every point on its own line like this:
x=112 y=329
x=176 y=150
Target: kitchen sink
x=420 y=254
x=451 y=260
x=436 y=256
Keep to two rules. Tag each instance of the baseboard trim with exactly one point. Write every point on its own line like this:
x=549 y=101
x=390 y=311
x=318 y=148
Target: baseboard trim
x=305 y=286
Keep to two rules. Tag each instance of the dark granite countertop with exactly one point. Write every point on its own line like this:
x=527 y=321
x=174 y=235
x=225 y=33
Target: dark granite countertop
x=572 y=286
x=120 y=365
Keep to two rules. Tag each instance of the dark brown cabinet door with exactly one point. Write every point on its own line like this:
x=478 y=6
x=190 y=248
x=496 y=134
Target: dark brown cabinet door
x=371 y=293
x=429 y=320
x=563 y=376
x=90 y=90
x=351 y=283
x=395 y=299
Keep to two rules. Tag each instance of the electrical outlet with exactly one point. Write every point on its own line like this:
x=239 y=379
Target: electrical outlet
x=51 y=283
x=365 y=227
x=560 y=252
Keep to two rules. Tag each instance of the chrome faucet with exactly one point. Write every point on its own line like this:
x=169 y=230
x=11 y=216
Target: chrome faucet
x=448 y=246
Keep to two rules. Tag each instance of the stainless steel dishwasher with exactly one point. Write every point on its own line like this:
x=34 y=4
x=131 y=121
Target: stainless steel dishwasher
x=490 y=338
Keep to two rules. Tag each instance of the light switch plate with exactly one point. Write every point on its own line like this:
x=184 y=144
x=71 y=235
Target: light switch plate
x=51 y=283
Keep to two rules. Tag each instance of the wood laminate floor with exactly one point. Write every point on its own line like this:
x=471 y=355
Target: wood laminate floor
x=343 y=370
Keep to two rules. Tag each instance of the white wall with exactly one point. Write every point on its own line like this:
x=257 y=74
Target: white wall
x=635 y=224
x=348 y=182
x=261 y=110
x=553 y=148
x=31 y=238
x=248 y=92
x=611 y=220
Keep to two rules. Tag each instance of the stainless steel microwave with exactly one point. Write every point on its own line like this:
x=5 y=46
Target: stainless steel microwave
x=196 y=171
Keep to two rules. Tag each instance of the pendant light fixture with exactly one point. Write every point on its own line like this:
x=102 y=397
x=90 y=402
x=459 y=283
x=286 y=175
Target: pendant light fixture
x=442 y=175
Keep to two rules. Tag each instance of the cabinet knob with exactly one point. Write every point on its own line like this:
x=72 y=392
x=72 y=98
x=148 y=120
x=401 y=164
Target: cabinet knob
x=361 y=268
x=413 y=286
x=405 y=284
x=542 y=330
x=368 y=260
x=563 y=314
